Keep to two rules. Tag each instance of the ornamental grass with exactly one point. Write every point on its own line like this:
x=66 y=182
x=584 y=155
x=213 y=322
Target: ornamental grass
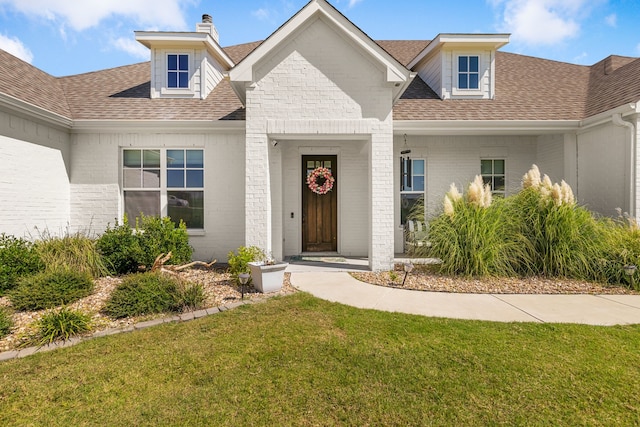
x=539 y=231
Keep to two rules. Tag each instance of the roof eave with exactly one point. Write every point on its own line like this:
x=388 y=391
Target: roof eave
x=484 y=127
x=185 y=39
x=32 y=111
x=492 y=41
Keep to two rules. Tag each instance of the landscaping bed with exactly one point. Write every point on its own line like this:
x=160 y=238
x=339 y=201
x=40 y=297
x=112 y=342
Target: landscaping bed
x=218 y=285
x=424 y=278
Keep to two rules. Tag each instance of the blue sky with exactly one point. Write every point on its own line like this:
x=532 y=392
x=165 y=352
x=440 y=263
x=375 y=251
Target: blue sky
x=64 y=37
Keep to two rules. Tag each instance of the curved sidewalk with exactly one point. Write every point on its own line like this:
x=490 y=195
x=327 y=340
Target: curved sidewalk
x=604 y=310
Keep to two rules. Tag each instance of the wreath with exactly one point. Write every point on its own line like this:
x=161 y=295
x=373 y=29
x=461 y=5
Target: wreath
x=320 y=180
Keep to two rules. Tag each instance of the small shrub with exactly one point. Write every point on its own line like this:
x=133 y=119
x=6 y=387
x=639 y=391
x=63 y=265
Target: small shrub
x=145 y=293
x=50 y=289
x=160 y=236
x=17 y=259
x=239 y=263
x=75 y=252
x=120 y=248
x=5 y=323
x=63 y=323
x=125 y=249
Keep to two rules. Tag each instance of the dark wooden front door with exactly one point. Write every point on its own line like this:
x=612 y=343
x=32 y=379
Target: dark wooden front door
x=319 y=211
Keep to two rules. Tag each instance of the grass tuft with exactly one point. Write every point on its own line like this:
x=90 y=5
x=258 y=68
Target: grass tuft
x=62 y=324
x=75 y=252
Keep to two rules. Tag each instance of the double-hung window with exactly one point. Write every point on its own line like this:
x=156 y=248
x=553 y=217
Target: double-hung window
x=412 y=185
x=164 y=182
x=493 y=173
x=468 y=72
x=178 y=71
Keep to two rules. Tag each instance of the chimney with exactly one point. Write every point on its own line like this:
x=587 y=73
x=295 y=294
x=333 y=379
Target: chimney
x=206 y=26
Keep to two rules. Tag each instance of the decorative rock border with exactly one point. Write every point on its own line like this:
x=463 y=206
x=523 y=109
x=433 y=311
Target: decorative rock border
x=182 y=317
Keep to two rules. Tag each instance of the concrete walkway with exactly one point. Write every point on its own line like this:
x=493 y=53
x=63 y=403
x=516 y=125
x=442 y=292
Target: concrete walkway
x=339 y=286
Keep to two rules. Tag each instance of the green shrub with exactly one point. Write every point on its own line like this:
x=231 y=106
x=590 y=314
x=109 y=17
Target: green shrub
x=120 y=248
x=17 y=258
x=125 y=249
x=75 y=252
x=621 y=243
x=160 y=235
x=5 y=323
x=50 y=289
x=149 y=293
x=63 y=323
x=239 y=263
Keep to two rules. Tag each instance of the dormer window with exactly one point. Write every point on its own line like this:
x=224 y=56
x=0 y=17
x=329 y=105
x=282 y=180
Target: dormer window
x=178 y=71
x=468 y=72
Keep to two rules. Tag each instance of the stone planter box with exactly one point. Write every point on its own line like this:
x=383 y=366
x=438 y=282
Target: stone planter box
x=267 y=278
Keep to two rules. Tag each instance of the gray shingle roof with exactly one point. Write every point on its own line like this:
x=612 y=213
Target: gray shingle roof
x=31 y=85
x=527 y=88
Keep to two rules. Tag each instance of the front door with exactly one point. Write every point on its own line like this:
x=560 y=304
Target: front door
x=319 y=204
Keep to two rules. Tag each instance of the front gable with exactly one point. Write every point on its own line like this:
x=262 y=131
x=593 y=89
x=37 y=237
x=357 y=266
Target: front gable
x=331 y=47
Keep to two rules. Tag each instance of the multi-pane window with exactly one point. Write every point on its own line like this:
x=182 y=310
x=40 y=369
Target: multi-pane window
x=412 y=185
x=159 y=182
x=178 y=71
x=468 y=72
x=493 y=173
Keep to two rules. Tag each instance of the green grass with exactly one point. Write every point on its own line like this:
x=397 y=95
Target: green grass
x=298 y=360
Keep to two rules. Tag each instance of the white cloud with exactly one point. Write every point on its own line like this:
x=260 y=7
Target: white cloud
x=611 y=20
x=132 y=47
x=15 y=47
x=81 y=15
x=262 y=14
x=352 y=3
x=541 y=22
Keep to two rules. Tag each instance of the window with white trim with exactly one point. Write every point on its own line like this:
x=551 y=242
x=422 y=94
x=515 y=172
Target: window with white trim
x=493 y=173
x=177 y=71
x=412 y=185
x=468 y=72
x=164 y=182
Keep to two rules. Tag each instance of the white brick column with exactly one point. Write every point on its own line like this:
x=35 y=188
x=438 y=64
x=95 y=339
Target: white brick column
x=257 y=192
x=381 y=199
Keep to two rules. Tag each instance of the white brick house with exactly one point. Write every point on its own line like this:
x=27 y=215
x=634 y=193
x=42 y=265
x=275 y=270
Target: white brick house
x=224 y=138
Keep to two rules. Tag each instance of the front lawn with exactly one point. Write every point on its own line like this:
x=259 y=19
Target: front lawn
x=297 y=360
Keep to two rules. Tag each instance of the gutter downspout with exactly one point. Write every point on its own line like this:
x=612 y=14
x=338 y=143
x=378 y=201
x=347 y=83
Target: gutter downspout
x=618 y=121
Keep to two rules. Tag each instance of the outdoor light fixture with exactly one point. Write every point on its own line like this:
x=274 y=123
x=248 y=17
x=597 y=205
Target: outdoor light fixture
x=405 y=147
x=408 y=268
x=244 y=279
x=630 y=270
